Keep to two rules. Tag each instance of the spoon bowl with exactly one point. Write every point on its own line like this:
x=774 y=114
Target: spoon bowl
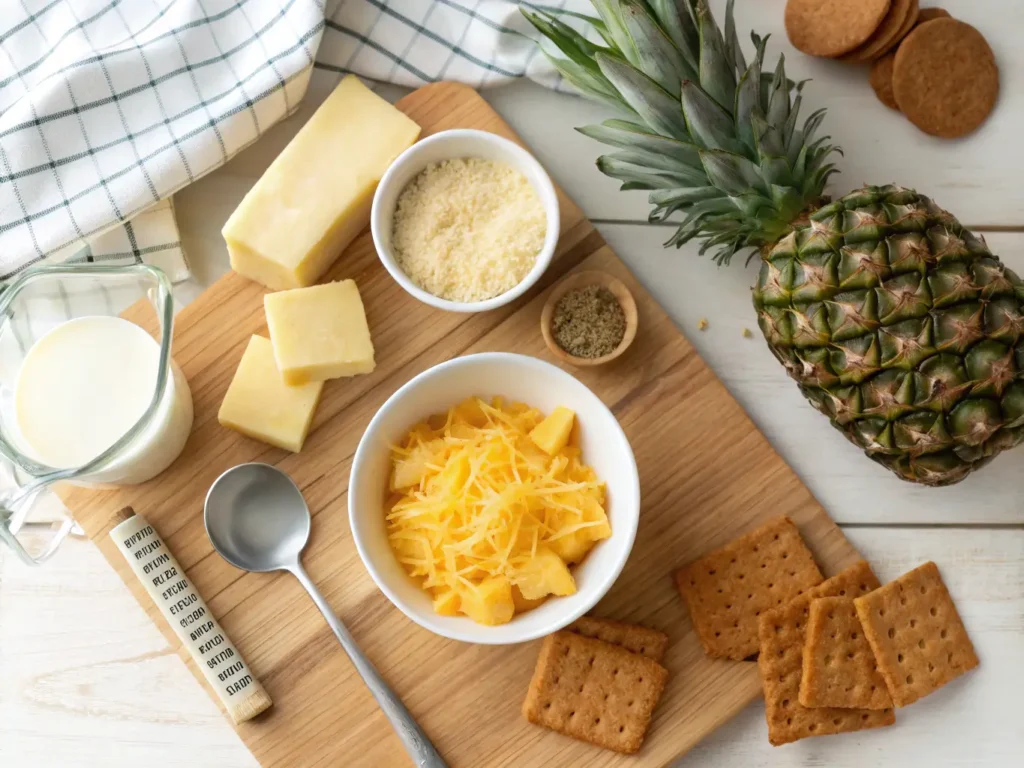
x=257 y=519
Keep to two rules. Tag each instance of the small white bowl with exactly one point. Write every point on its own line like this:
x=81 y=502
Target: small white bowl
x=446 y=145
x=518 y=378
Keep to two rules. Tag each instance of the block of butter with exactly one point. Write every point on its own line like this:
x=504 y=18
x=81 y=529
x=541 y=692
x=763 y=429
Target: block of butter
x=261 y=406
x=319 y=332
x=315 y=197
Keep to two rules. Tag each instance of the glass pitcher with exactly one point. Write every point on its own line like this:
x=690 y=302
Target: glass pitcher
x=33 y=307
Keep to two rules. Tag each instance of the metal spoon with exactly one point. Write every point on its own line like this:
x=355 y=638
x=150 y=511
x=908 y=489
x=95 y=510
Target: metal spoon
x=258 y=521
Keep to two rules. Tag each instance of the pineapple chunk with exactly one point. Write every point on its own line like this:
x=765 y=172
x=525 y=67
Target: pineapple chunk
x=470 y=411
x=543 y=575
x=572 y=547
x=411 y=549
x=460 y=430
x=446 y=602
x=449 y=481
x=602 y=531
x=489 y=602
x=409 y=471
x=552 y=434
x=517 y=409
x=574 y=436
x=521 y=603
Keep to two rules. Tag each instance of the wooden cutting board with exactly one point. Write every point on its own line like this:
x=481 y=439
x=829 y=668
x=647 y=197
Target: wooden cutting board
x=706 y=473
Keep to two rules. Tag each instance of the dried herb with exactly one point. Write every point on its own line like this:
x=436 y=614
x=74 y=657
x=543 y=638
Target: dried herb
x=588 y=322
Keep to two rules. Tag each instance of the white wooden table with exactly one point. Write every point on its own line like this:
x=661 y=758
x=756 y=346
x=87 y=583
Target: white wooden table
x=86 y=680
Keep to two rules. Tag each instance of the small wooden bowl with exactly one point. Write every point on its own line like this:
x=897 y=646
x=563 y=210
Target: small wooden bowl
x=581 y=280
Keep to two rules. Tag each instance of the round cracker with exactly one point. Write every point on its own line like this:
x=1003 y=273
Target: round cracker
x=831 y=28
x=881 y=80
x=945 y=78
x=908 y=26
x=888 y=32
x=930 y=14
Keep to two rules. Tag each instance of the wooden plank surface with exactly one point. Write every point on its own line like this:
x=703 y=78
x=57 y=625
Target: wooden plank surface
x=706 y=474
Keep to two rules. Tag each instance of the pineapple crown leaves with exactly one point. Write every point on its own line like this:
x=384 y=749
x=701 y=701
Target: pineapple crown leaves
x=712 y=137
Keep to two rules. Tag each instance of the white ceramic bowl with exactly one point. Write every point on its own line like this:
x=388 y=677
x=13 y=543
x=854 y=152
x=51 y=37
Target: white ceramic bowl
x=445 y=146
x=520 y=378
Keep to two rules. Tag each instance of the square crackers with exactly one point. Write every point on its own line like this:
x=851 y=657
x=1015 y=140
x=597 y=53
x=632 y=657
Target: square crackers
x=727 y=590
x=593 y=691
x=782 y=632
x=916 y=633
x=633 y=637
x=839 y=666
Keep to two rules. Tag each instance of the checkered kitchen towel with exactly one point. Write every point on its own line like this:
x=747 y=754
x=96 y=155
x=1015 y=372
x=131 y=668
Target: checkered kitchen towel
x=107 y=107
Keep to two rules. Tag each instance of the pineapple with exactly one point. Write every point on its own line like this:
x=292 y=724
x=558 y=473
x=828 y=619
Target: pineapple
x=412 y=467
x=544 y=574
x=896 y=322
x=489 y=602
x=552 y=434
x=523 y=605
x=446 y=602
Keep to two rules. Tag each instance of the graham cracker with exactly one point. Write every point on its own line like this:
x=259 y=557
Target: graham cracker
x=945 y=78
x=633 y=637
x=782 y=633
x=897 y=23
x=593 y=691
x=854 y=581
x=833 y=27
x=930 y=14
x=839 y=666
x=916 y=634
x=727 y=590
x=881 y=80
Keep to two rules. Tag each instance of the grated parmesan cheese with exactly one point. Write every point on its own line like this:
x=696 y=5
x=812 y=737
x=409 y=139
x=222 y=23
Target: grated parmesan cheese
x=468 y=229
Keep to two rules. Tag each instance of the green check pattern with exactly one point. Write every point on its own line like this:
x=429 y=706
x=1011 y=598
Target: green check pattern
x=107 y=107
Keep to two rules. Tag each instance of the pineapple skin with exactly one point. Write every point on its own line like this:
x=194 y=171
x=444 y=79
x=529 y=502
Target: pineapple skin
x=903 y=328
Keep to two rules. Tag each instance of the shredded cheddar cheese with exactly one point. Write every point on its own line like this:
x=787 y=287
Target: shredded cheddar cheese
x=486 y=518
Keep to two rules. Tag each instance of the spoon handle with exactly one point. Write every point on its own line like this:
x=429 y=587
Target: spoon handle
x=415 y=740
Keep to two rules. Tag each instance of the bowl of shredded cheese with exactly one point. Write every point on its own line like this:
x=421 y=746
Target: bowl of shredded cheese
x=465 y=220
x=467 y=489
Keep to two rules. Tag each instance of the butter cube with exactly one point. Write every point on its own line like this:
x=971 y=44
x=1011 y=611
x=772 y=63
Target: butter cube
x=319 y=332
x=315 y=197
x=261 y=406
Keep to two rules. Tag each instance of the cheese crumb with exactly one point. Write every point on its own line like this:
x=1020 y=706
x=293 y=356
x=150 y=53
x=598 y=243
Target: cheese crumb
x=747 y=334
x=702 y=324
x=468 y=229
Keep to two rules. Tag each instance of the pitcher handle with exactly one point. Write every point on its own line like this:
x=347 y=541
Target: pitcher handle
x=67 y=526
x=16 y=503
